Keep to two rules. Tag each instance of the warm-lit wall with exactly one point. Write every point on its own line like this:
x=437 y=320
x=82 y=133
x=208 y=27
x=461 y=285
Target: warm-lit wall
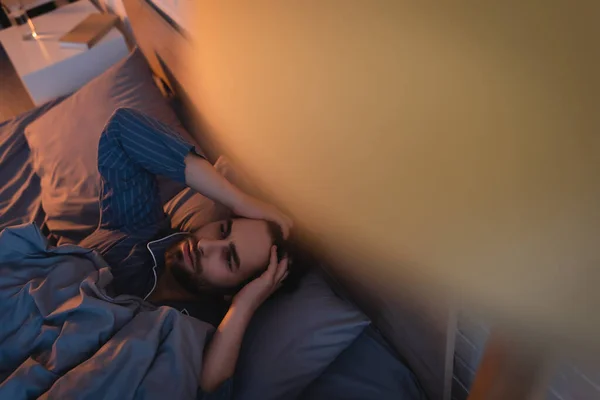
x=460 y=144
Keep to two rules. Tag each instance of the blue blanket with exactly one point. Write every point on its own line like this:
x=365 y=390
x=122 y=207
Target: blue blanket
x=62 y=336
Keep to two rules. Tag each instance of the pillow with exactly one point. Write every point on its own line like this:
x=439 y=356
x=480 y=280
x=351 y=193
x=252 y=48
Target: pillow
x=293 y=338
x=64 y=144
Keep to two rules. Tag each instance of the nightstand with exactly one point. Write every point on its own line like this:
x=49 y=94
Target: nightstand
x=48 y=70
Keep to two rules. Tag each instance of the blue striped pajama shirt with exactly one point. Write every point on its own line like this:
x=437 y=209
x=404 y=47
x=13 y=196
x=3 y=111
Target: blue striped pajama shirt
x=133 y=150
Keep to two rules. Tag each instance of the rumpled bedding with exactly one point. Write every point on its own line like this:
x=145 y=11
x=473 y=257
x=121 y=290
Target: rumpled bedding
x=19 y=185
x=62 y=336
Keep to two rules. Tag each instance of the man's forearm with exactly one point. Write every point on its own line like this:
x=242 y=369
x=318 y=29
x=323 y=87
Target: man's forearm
x=222 y=353
x=159 y=150
x=201 y=176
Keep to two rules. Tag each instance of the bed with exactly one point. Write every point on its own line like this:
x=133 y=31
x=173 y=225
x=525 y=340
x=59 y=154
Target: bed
x=336 y=337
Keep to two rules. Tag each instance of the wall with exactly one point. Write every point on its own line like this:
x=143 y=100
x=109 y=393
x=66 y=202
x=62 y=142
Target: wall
x=177 y=10
x=471 y=337
x=450 y=147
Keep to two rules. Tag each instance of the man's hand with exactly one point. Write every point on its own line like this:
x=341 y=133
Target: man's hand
x=257 y=291
x=222 y=352
x=202 y=177
x=251 y=207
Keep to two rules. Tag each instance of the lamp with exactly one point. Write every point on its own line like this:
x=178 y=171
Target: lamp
x=18 y=12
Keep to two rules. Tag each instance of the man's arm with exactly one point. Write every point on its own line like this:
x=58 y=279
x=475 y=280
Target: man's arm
x=204 y=178
x=134 y=148
x=220 y=357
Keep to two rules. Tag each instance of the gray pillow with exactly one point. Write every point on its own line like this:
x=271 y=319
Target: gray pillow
x=293 y=338
x=64 y=143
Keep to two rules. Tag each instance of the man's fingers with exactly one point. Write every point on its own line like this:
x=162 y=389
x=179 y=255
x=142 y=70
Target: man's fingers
x=272 y=268
x=286 y=225
x=285 y=228
x=282 y=269
x=282 y=279
x=284 y=276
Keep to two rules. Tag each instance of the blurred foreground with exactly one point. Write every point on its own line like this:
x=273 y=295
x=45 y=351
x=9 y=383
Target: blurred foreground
x=452 y=152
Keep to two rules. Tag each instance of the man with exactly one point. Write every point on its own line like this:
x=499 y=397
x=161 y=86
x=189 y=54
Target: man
x=189 y=271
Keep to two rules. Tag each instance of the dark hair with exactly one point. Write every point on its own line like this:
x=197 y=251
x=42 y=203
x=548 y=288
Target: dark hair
x=298 y=263
x=277 y=237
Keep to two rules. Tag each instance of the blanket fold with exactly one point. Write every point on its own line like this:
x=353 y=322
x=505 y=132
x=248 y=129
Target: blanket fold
x=62 y=336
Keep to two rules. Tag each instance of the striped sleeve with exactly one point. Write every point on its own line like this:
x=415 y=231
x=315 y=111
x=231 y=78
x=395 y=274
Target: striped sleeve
x=133 y=149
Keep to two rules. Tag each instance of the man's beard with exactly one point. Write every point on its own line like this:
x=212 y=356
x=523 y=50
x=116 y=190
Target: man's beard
x=192 y=282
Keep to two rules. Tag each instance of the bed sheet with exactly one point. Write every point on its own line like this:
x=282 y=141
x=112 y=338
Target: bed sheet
x=19 y=185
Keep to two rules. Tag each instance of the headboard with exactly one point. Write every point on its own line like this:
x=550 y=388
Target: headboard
x=421 y=332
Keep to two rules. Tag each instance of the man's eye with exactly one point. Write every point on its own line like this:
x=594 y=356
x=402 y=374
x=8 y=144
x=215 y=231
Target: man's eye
x=229 y=260
x=225 y=228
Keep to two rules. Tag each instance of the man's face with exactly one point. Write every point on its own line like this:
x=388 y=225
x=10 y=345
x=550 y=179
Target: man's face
x=221 y=255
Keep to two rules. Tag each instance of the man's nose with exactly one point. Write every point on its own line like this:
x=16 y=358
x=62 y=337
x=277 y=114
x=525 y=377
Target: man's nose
x=210 y=246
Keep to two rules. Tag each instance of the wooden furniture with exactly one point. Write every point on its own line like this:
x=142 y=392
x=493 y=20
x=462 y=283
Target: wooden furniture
x=45 y=68
x=14 y=98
